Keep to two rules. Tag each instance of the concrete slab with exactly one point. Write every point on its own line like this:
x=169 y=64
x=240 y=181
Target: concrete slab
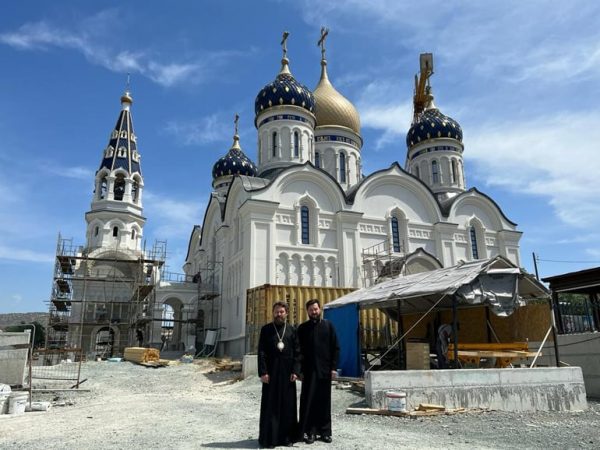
x=250 y=366
x=13 y=357
x=538 y=389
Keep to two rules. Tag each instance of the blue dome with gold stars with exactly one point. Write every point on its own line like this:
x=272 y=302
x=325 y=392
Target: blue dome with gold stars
x=284 y=90
x=235 y=162
x=432 y=124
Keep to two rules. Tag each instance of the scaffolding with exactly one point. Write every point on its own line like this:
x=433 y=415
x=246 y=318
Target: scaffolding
x=382 y=261
x=102 y=298
x=210 y=285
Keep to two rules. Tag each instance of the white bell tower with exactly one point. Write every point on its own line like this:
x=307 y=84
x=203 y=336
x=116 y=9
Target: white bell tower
x=115 y=219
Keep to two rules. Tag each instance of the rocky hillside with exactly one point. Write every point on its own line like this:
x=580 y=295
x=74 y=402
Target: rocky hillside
x=18 y=318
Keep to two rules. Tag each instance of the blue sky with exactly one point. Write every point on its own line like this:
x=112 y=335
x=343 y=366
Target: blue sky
x=522 y=78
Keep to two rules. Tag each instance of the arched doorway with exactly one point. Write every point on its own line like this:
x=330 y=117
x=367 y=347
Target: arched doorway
x=170 y=325
x=104 y=342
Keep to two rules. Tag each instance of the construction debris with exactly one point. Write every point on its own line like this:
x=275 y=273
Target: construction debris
x=141 y=355
x=422 y=410
x=227 y=364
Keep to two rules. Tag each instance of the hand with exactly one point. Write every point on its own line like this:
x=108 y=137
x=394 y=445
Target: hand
x=293 y=377
x=333 y=374
x=265 y=378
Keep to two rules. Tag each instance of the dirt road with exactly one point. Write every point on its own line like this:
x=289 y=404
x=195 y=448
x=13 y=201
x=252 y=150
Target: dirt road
x=186 y=406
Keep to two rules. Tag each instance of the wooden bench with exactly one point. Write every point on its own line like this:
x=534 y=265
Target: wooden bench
x=503 y=352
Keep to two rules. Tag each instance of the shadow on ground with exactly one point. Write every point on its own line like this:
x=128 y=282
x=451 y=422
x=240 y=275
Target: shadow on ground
x=247 y=443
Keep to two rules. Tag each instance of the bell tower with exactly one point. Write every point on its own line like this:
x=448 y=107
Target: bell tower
x=115 y=218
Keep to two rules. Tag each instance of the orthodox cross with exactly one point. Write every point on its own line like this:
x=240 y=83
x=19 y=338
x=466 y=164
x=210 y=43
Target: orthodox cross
x=284 y=43
x=237 y=118
x=321 y=43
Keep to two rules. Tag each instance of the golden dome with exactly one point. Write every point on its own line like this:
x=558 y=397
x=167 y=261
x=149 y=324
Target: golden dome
x=331 y=107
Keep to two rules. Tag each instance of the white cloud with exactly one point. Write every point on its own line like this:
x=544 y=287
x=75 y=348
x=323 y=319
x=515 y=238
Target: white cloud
x=522 y=40
x=75 y=172
x=171 y=218
x=22 y=254
x=548 y=156
x=202 y=131
x=92 y=43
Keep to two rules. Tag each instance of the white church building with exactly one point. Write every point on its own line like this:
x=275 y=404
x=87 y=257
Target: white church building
x=305 y=213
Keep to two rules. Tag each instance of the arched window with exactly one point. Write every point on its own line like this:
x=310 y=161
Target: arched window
x=435 y=175
x=132 y=234
x=296 y=145
x=342 y=167
x=115 y=231
x=103 y=187
x=317 y=160
x=305 y=223
x=395 y=235
x=96 y=230
x=135 y=190
x=417 y=172
x=119 y=187
x=453 y=171
x=474 y=250
x=274 y=144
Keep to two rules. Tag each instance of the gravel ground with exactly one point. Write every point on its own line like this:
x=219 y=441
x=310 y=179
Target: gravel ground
x=190 y=406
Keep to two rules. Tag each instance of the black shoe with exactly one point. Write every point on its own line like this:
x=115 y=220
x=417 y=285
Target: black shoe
x=309 y=438
x=326 y=439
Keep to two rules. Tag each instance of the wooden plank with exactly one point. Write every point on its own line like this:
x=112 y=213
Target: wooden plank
x=379 y=412
x=428 y=406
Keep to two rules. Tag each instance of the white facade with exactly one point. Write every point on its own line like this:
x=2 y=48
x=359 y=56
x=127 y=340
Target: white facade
x=306 y=215
x=307 y=220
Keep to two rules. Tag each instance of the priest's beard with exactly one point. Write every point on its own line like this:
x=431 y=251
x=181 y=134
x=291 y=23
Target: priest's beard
x=278 y=321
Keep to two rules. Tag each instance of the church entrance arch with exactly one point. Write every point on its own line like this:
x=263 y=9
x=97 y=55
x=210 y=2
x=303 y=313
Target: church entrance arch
x=171 y=321
x=104 y=342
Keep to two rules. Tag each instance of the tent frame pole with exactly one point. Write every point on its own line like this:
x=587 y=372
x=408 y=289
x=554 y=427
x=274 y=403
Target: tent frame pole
x=455 y=329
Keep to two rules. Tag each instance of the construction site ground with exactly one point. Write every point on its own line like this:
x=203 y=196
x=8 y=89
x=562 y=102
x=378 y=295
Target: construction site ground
x=186 y=406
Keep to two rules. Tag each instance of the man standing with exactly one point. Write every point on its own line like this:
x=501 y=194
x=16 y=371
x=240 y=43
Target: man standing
x=319 y=351
x=278 y=369
x=441 y=345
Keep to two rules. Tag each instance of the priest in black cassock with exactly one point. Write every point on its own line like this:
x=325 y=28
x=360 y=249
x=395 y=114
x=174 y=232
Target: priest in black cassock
x=278 y=369
x=320 y=351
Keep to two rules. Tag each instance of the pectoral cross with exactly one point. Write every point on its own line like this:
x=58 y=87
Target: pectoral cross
x=284 y=43
x=321 y=43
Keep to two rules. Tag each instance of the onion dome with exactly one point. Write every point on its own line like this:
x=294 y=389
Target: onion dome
x=284 y=89
x=235 y=162
x=331 y=107
x=432 y=124
x=121 y=151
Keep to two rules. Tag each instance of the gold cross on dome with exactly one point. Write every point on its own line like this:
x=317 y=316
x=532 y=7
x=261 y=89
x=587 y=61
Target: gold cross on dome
x=284 y=42
x=321 y=43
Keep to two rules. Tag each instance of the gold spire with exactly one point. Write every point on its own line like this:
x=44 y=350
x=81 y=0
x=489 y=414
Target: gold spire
x=331 y=107
x=126 y=97
x=429 y=98
x=236 y=138
x=284 y=61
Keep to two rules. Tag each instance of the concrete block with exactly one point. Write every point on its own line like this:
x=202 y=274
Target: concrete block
x=250 y=366
x=13 y=362
x=538 y=389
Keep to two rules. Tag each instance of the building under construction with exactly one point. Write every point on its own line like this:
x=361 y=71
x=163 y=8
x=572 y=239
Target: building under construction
x=103 y=300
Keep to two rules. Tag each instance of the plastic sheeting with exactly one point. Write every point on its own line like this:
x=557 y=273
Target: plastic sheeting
x=495 y=282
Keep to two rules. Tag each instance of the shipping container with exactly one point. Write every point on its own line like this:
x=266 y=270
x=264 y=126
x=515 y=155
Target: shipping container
x=376 y=329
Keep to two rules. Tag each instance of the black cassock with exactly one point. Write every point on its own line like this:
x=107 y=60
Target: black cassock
x=278 y=416
x=320 y=351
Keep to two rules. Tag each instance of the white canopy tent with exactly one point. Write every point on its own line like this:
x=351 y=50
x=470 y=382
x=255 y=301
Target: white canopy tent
x=495 y=282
